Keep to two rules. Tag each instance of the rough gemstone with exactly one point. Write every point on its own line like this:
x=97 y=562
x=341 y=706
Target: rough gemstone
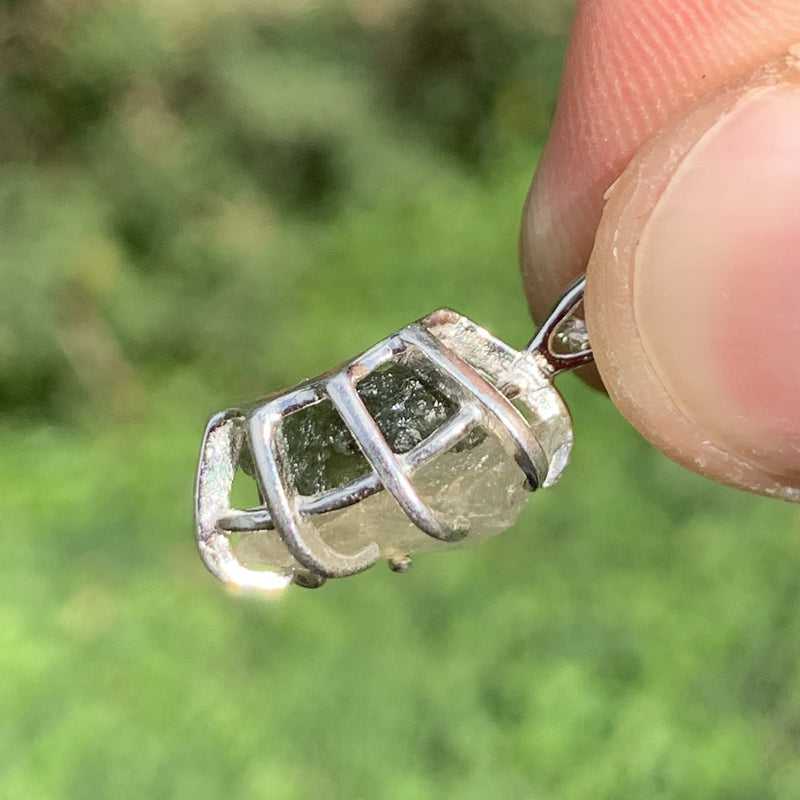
x=479 y=486
x=322 y=452
x=476 y=482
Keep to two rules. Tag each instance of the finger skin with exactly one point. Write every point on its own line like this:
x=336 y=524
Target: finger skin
x=630 y=66
x=731 y=335
x=645 y=84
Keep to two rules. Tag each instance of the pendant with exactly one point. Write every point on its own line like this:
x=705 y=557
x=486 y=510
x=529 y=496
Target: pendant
x=432 y=439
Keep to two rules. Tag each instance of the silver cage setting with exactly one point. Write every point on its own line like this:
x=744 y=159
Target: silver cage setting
x=491 y=387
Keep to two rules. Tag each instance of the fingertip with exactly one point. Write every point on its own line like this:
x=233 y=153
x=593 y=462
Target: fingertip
x=693 y=297
x=630 y=67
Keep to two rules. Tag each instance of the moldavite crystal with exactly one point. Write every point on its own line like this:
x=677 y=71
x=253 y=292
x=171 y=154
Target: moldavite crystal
x=323 y=453
x=476 y=481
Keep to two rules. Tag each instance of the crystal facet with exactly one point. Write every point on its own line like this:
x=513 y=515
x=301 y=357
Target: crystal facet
x=476 y=481
x=322 y=452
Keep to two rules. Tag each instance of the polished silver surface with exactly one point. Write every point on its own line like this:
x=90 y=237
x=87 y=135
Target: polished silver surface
x=495 y=388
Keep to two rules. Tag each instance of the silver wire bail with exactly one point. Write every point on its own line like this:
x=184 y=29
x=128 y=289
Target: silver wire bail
x=563 y=324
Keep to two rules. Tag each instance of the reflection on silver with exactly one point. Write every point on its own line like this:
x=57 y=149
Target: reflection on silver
x=507 y=392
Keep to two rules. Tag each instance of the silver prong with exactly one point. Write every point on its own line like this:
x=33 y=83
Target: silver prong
x=377 y=356
x=305 y=545
x=441 y=440
x=530 y=456
x=219 y=459
x=388 y=466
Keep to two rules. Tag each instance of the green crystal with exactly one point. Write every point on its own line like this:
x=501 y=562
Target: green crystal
x=322 y=453
x=479 y=485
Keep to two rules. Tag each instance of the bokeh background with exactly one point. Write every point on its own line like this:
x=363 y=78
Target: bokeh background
x=202 y=202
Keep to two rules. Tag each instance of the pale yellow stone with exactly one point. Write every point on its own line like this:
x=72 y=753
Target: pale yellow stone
x=480 y=485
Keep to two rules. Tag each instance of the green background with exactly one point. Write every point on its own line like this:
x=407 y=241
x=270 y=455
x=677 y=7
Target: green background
x=204 y=202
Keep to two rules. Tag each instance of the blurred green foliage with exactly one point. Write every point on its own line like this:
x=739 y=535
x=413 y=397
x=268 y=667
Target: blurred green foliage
x=202 y=203
x=169 y=170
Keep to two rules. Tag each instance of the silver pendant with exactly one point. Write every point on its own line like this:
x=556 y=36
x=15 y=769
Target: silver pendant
x=432 y=439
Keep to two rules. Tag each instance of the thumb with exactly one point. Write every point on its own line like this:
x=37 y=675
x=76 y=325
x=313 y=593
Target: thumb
x=693 y=296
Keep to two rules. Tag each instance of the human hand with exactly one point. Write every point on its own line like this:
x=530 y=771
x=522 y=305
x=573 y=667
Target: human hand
x=691 y=109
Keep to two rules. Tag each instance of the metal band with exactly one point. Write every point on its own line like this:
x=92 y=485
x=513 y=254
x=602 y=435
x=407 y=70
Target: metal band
x=389 y=467
x=306 y=545
x=442 y=439
x=219 y=459
x=530 y=456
